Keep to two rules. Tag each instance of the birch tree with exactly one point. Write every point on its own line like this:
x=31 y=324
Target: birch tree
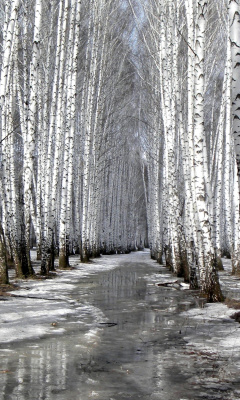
x=3 y=259
x=67 y=179
x=29 y=136
x=234 y=23
x=206 y=257
x=12 y=213
x=187 y=218
x=112 y=132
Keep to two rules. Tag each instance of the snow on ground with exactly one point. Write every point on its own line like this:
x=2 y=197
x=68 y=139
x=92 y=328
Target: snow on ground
x=40 y=304
x=211 y=328
x=37 y=307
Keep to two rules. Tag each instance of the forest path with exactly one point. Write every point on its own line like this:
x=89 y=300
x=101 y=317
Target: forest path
x=121 y=337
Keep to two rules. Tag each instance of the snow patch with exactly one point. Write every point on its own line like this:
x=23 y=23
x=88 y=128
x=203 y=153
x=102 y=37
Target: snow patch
x=39 y=303
x=216 y=311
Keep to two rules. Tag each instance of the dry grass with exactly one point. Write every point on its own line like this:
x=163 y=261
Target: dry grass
x=4 y=289
x=232 y=303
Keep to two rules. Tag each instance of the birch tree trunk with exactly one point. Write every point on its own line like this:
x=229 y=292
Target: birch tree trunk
x=3 y=259
x=209 y=283
x=67 y=180
x=12 y=213
x=87 y=105
x=234 y=22
x=30 y=137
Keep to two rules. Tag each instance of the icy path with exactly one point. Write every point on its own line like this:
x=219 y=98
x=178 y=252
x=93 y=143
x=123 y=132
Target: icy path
x=107 y=331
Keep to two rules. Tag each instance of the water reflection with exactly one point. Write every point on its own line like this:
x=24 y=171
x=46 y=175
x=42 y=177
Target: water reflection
x=119 y=283
x=122 y=361
x=34 y=373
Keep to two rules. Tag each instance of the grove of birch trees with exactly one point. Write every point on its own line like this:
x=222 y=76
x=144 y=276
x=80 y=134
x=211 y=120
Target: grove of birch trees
x=189 y=73
x=119 y=130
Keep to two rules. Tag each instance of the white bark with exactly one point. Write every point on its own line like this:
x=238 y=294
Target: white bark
x=234 y=21
x=67 y=178
x=29 y=138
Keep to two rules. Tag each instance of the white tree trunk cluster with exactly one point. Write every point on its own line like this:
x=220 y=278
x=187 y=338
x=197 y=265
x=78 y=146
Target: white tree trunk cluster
x=191 y=126
x=119 y=129
x=68 y=164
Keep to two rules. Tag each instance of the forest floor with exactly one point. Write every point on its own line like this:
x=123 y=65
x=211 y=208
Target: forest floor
x=118 y=328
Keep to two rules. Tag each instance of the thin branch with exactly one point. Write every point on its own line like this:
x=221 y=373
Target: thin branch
x=185 y=40
x=9 y=134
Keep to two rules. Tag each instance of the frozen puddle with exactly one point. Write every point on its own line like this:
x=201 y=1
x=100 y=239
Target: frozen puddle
x=119 y=328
